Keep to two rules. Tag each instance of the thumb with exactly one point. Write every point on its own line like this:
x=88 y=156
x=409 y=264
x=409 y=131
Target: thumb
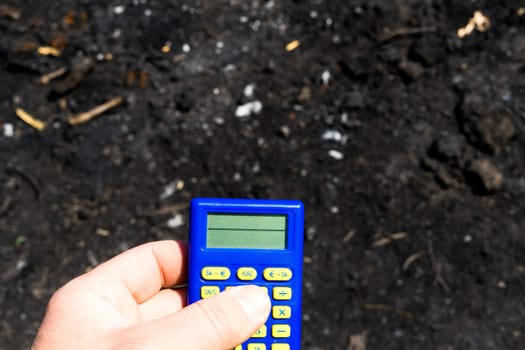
x=220 y=322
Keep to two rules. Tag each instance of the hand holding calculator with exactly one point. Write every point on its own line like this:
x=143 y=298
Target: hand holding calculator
x=240 y=241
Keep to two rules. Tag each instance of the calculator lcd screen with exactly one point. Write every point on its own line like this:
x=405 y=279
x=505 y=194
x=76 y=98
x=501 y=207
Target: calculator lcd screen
x=246 y=231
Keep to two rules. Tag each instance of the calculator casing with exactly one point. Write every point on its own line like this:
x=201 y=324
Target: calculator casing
x=291 y=257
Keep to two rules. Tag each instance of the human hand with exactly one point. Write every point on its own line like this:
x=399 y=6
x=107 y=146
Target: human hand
x=121 y=304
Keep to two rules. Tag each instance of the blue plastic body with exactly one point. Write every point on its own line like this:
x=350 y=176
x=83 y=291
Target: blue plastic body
x=233 y=258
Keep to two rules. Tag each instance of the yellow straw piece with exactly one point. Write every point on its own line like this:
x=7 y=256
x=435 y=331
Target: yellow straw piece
x=292 y=45
x=48 y=51
x=29 y=119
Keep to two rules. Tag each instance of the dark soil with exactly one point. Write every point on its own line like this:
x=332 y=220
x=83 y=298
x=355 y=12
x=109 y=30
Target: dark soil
x=406 y=144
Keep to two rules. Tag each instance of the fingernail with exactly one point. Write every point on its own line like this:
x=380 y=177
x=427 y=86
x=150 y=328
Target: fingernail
x=255 y=302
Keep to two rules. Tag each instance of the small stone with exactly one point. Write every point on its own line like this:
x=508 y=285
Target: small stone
x=284 y=131
x=102 y=232
x=332 y=135
x=305 y=95
x=410 y=70
x=326 y=77
x=186 y=48
x=9 y=130
x=118 y=10
x=249 y=90
x=247 y=109
x=447 y=147
x=483 y=176
x=175 y=221
x=311 y=232
x=335 y=154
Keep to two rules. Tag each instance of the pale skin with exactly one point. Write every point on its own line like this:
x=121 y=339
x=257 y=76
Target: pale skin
x=125 y=303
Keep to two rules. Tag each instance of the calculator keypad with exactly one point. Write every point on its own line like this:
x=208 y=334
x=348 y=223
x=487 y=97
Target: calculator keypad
x=277 y=274
x=215 y=273
x=274 y=281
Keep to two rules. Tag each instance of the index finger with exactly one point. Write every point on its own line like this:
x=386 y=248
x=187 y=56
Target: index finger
x=145 y=269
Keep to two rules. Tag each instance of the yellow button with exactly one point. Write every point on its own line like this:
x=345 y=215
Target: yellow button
x=215 y=273
x=281 y=312
x=280 y=331
x=282 y=293
x=280 y=346
x=209 y=291
x=256 y=346
x=260 y=333
x=246 y=273
x=277 y=274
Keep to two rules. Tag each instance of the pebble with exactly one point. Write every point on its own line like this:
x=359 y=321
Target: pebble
x=186 y=48
x=176 y=221
x=448 y=146
x=335 y=154
x=9 y=130
x=249 y=89
x=284 y=131
x=485 y=176
x=332 y=135
x=247 y=109
x=411 y=70
x=325 y=77
x=171 y=188
x=118 y=10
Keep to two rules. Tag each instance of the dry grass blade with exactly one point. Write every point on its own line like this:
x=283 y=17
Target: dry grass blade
x=46 y=78
x=348 y=237
x=413 y=258
x=87 y=116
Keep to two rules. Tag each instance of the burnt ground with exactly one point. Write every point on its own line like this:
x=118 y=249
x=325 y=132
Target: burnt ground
x=405 y=142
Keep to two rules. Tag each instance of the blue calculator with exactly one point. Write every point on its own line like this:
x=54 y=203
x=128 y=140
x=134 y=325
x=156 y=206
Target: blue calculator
x=244 y=241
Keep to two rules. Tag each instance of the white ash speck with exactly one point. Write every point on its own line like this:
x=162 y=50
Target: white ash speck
x=467 y=238
x=186 y=48
x=148 y=12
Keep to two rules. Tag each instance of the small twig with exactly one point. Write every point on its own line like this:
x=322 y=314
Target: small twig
x=435 y=266
x=348 y=237
x=389 y=239
x=87 y=116
x=29 y=119
x=413 y=258
x=46 y=78
x=33 y=183
x=384 y=307
x=404 y=32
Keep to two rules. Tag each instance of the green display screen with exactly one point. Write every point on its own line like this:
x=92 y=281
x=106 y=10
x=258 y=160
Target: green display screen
x=246 y=231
